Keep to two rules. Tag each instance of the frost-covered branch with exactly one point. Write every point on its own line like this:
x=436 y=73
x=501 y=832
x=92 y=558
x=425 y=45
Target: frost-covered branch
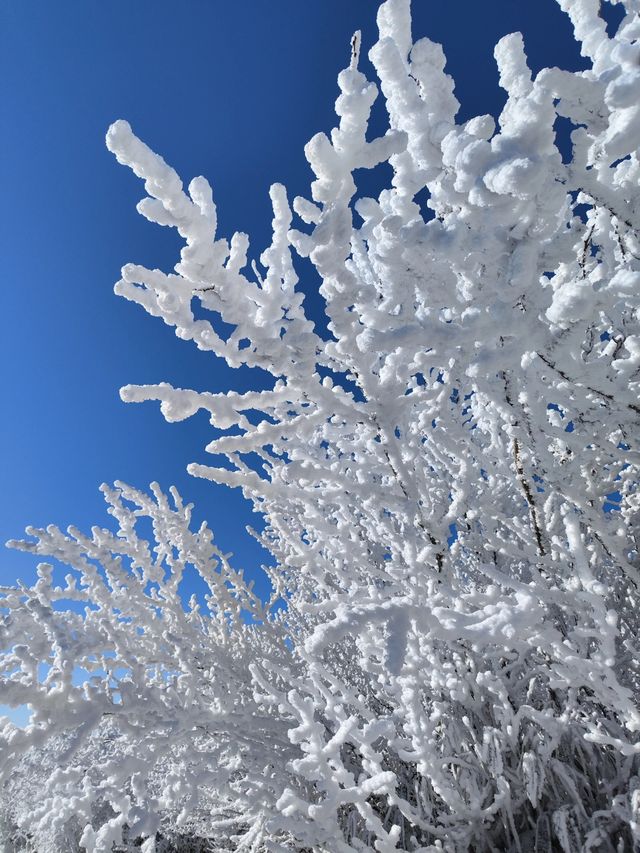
x=449 y=484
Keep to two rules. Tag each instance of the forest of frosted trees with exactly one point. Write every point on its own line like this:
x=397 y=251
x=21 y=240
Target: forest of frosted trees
x=449 y=487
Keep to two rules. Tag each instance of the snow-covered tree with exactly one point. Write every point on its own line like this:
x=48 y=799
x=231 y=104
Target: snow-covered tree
x=449 y=485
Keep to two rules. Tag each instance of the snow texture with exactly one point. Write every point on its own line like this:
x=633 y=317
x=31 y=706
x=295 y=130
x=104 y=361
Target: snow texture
x=456 y=667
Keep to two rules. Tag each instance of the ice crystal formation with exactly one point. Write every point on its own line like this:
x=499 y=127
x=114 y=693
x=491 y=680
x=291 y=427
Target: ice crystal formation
x=449 y=483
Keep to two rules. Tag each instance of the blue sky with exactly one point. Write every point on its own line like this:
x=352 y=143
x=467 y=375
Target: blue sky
x=231 y=90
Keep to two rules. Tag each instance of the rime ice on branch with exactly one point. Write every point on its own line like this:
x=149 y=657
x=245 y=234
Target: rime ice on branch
x=457 y=667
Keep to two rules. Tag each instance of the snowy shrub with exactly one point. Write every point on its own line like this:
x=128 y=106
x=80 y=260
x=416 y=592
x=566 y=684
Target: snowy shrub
x=457 y=665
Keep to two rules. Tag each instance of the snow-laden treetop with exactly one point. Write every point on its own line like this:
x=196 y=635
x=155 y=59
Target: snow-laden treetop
x=457 y=664
x=473 y=338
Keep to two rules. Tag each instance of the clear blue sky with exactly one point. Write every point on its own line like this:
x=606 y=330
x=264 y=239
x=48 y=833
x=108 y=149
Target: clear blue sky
x=230 y=90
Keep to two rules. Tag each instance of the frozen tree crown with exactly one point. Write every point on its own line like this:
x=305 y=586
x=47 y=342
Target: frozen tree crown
x=456 y=666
